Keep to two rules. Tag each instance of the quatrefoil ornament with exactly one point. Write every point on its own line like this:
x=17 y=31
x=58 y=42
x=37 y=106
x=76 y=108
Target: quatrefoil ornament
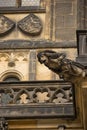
x=41 y=95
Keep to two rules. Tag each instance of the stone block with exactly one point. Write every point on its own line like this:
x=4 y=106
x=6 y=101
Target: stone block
x=63 y=8
x=59 y=22
x=70 y=21
x=65 y=34
x=64 y=1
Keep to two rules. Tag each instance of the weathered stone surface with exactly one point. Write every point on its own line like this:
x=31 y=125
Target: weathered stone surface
x=27 y=44
x=63 y=8
x=65 y=33
x=30 y=25
x=6 y=25
x=65 y=20
x=37 y=99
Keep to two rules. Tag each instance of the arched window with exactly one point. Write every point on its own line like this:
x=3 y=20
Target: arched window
x=11 y=78
x=19 y=3
x=22 y=6
x=30 y=3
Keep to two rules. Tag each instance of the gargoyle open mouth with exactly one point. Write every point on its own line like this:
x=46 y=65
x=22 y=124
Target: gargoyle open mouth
x=42 y=61
x=41 y=58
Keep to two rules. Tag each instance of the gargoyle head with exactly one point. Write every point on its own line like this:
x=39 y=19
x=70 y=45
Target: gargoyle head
x=51 y=59
x=49 y=55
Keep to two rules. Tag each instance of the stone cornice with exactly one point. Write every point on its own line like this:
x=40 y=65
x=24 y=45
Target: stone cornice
x=35 y=44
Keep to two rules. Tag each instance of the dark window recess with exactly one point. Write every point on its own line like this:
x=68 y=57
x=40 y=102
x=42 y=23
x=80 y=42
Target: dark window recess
x=11 y=79
x=32 y=65
x=12 y=6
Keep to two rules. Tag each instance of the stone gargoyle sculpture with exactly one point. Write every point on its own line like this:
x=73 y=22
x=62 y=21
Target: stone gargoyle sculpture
x=66 y=69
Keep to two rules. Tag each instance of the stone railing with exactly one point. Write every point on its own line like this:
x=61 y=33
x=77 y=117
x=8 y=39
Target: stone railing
x=37 y=99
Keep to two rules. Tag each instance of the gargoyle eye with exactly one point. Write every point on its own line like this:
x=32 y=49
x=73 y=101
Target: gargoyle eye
x=42 y=55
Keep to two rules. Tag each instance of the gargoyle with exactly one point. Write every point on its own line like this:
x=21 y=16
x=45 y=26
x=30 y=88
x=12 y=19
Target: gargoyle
x=57 y=62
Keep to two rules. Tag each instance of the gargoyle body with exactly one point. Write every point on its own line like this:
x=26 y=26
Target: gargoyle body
x=57 y=62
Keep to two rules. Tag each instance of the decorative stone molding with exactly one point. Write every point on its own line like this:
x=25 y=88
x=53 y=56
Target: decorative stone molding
x=39 y=95
x=21 y=56
x=8 y=73
x=11 y=61
x=37 y=99
x=12 y=57
x=35 y=44
x=4 y=57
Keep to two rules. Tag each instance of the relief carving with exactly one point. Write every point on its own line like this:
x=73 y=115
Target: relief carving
x=6 y=25
x=11 y=61
x=21 y=56
x=22 y=97
x=30 y=25
x=41 y=95
x=6 y=96
x=12 y=57
x=61 y=95
x=4 y=57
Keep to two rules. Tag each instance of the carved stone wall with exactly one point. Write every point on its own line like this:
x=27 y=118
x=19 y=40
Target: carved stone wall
x=26 y=31
x=65 y=21
x=82 y=15
x=25 y=65
x=14 y=63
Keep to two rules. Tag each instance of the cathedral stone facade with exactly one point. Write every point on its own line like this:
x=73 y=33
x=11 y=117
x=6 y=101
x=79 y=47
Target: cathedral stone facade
x=26 y=28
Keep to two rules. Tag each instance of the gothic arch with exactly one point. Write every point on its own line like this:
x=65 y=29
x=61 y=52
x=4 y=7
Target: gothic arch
x=13 y=73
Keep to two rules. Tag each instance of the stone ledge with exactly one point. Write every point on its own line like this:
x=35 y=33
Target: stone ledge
x=11 y=10
x=28 y=44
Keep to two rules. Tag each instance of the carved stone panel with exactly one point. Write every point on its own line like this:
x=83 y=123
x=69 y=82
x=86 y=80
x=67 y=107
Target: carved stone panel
x=6 y=25
x=30 y=25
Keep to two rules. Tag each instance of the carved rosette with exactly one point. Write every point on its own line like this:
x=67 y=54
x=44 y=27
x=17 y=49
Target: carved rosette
x=6 y=25
x=30 y=25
